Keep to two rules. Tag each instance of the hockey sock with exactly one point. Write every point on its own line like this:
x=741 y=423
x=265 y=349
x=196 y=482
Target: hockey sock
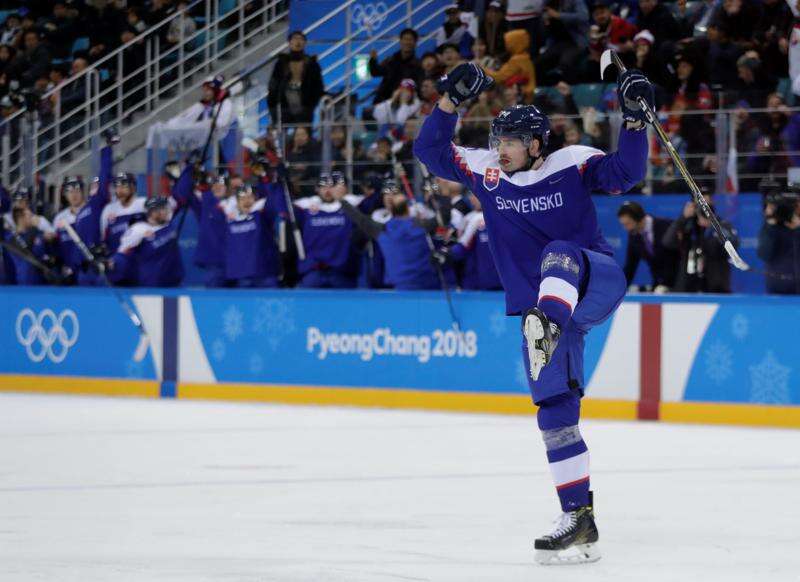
x=566 y=452
x=562 y=268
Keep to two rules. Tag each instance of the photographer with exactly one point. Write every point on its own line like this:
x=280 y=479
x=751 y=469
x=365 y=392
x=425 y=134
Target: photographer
x=704 y=266
x=779 y=244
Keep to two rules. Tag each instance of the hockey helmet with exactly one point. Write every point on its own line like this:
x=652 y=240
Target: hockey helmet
x=523 y=122
x=125 y=178
x=156 y=203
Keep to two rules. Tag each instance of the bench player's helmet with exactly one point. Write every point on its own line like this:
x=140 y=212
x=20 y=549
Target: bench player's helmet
x=125 y=179
x=524 y=122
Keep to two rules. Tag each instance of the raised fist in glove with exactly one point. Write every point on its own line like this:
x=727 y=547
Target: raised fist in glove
x=631 y=85
x=464 y=82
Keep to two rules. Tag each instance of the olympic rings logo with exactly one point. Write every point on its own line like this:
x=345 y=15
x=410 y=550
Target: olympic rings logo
x=47 y=335
x=370 y=16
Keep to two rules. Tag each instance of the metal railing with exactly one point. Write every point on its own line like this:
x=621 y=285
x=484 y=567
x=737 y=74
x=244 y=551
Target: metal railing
x=129 y=88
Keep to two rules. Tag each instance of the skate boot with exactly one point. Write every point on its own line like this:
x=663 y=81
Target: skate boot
x=573 y=541
x=542 y=336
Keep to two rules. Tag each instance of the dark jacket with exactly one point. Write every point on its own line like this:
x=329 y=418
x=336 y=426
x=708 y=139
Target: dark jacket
x=704 y=263
x=661 y=23
x=311 y=89
x=779 y=248
x=663 y=262
x=393 y=70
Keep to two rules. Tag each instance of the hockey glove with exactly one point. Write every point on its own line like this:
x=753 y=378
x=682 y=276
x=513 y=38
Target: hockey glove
x=632 y=84
x=464 y=82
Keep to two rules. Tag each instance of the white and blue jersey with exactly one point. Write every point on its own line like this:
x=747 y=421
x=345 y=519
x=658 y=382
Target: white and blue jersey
x=116 y=218
x=149 y=255
x=473 y=250
x=528 y=209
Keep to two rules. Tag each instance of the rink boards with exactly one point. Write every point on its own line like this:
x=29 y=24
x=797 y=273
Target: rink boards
x=707 y=359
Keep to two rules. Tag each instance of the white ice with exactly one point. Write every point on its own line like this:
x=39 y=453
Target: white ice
x=95 y=489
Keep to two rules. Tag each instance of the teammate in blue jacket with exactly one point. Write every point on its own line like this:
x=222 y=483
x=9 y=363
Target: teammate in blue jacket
x=148 y=253
x=555 y=265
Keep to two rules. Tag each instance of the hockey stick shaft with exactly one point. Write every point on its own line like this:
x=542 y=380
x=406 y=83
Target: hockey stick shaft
x=126 y=307
x=25 y=254
x=287 y=193
x=697 y=194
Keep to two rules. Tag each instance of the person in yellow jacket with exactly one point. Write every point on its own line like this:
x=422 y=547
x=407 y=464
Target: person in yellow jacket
x=519 y=67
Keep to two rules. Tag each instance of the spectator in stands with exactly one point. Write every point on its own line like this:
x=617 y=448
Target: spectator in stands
x=645 y=242
x=754 y=83
x=304 y=155
x=704 y=265
x=475 y=123
x=518 y=69
x=401 y=65
x=612 y=31
x=133 y=61
x=565 y=25
x=769 y=142
x=739 y=18
x=511 y=95
x=456 y=31
x=33 y=61
x=7 y=55
x=527 y=15
x=772 y=35
x=12 y=29
x=296 y=84
x=492 y=29
x=430 y=96
x=481 y=57
x=449 y=57
x=380 y=154
x=103 y=23
x=393 y=113
x=779 y=245
x=722 y=57
x=647 y=61
x=431 y=66
x=658 y=19
x=182 y=27
x=159 y=11
x=61 y=29
x=137 y=24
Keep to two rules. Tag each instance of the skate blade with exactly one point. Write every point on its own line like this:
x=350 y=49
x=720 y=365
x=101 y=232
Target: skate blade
x=578 y=554
x=534 y=331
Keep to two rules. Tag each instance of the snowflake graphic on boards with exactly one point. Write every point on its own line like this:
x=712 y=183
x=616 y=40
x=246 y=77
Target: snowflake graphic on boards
x=256 y=364
x=740 y=326
x=218 y=350
x=232 y=323
x=275 y=319
x=497 y=323
x=769 y=381
x=718 y=362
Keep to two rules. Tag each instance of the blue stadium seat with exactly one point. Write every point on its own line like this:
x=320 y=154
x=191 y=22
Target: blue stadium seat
x=588 y=95
x=80 y=44
x=226 y=6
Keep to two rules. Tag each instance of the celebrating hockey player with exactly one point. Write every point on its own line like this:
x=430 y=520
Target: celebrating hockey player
x=119 y=214
x=555 y=265
x=148 y=253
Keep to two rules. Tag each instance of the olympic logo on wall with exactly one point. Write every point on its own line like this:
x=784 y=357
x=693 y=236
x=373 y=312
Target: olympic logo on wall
x=47 y=335
x=370 y=16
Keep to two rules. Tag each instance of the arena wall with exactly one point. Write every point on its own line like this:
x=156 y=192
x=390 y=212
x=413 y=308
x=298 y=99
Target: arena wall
x=704 y=359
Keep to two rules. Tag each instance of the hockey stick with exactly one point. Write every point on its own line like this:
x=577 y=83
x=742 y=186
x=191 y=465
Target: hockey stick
x=400 y=173
x=130 y=311
x=287 y=192
x=610 y=57
x=26 y=255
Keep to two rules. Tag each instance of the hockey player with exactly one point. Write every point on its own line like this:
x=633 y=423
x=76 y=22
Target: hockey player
x=251 y=252
x=84 y=216
x=125 y=210
x=27 y=229
x=472 y=249
x=210 y=205
x=555 y=265
x=331 y=260
x=21 y=199
x=148 y=253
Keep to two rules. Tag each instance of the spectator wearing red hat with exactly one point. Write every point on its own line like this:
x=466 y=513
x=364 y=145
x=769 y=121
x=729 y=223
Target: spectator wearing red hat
x=393 y=113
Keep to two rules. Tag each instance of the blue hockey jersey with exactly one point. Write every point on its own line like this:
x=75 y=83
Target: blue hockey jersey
x=327 y=235
x=250 y=247
x=527 y=210
x=149 y=255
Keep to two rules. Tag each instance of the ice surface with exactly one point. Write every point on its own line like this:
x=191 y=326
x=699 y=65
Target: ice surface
x=96 y=489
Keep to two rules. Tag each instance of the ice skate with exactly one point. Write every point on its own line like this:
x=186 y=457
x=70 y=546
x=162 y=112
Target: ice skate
x=572 y=541
x=542 y=337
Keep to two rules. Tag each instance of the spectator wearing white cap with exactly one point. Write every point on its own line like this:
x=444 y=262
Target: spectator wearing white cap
x=394 y=112
x=647 y=60
x=492 y=28
x=459 y=29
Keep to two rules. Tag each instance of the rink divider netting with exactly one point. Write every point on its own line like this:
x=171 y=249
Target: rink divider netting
x=706 y=359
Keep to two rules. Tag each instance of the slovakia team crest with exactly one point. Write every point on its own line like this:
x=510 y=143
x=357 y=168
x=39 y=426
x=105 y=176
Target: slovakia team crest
x=491 y=179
